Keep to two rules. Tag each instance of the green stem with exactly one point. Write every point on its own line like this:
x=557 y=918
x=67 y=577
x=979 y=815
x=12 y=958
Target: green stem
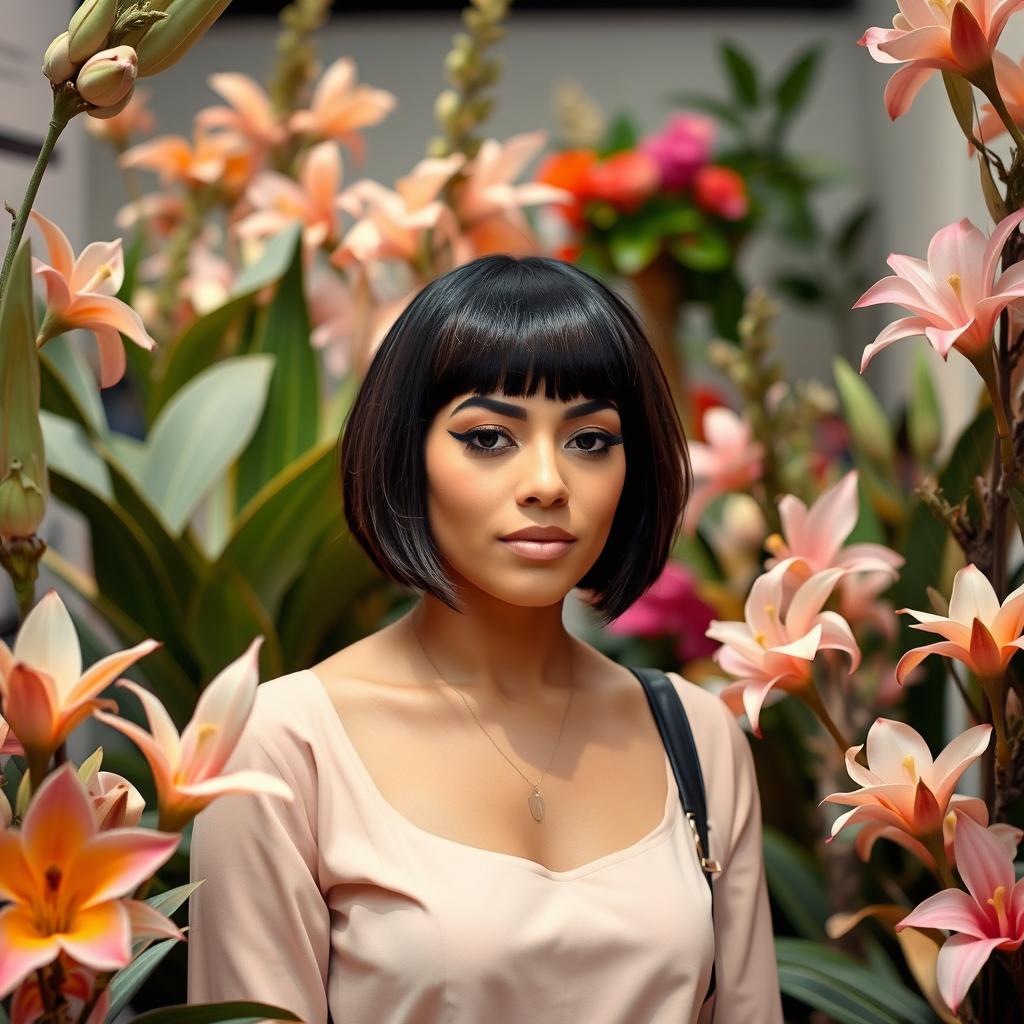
x=66 y=103
x=996 y=99
x=810 y=696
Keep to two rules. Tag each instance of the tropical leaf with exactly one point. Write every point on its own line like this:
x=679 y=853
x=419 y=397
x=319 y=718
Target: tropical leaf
x=215 y=1013
x=742 y=75
x=74 y=393
x=795 y=883
x=130 y=979
x=795 y=84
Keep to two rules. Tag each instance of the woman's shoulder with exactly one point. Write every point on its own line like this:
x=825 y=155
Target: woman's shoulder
x=283 y=716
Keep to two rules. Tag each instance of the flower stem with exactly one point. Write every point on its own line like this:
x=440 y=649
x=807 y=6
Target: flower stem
x=995 y=97
x=810 y=696
x=66 y=103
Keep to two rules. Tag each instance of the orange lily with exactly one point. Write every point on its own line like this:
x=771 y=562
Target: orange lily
x=339 y=108
x=212 y=158
x=45 y=693
x=67 y=882
x=187 y=768
x=249 y=112
x=80 y=293
x=77 y=986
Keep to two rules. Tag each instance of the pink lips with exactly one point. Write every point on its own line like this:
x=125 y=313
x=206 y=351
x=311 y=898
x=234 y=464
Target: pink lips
x=541 y=550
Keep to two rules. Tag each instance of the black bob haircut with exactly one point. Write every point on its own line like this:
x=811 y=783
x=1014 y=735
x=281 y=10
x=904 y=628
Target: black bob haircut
x=503 y=324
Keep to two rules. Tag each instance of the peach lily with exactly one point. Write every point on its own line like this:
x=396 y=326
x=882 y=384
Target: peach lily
x=979 y=632
x=80 y=293
x=775 y=647
x=221 y=159
x=926 y=37
x=907 y=797
x=66 y=884
x=249 y=112
x=45 y=693
x=730 y=460
x=77 y=985
x=339 y=108
x=392 y=223
x=489 y=206
x=989 y=916
x=187 y=768
x=313 y=200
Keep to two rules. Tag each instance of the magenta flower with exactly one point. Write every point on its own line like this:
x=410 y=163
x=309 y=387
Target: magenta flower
x=681 y=148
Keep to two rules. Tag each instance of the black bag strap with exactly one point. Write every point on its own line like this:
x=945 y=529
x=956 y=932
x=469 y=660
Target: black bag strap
x=676 y=734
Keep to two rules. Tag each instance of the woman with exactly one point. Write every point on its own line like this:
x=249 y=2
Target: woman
x=486 y=827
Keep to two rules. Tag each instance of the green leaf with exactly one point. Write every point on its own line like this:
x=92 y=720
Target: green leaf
x=212 y=337
x=851 y=233
x=3 y=1016
x=706 y=250
x=276 y=532
x=288 y=426
x=868 y=422
x=621 y=135
x=742 y=75
x=632 y=250
x=924 y=422
x=215 y=1013
x=200 y=432
x=839 y=976
x=795 y=883
x=795 y=83
x=66 y=361
x=70 y=452
x=130 y=979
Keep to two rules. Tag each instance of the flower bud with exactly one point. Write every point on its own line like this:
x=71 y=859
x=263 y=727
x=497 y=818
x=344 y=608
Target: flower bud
x=57 y=65
x=102 y=113
x=6 y=813
x=166 y=42
x=22 y=502
x=108 y=77
x=90 y=25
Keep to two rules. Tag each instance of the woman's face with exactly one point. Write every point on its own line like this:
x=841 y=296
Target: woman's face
x=496 y=465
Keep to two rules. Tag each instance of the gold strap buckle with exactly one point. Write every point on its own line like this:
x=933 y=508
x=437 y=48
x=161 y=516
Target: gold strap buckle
x=706 y=863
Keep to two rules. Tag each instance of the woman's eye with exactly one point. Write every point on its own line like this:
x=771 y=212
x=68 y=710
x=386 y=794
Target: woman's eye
x=485 y=440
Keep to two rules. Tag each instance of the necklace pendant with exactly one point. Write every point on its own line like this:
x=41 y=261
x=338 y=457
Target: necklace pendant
x=536 y=802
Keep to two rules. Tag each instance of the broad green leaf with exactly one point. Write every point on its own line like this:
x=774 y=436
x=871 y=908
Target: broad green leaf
x=276 y=532
x=846 y=974
x=130 y=979
x=837 y=1001
x=215 y=1013
x=64 y=359
x=924 y=424
x=200 y=432
x=224 y=617
x=706 y=250
x=742 y=75
x=212 y=337
x=288 y=425
x=325 y=596
x=961 y=99
x=70 y=452
x=795 y=883
x=129 y=451
x=621 y=134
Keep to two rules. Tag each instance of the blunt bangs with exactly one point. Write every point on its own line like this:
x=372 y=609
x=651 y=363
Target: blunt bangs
x=501 y=325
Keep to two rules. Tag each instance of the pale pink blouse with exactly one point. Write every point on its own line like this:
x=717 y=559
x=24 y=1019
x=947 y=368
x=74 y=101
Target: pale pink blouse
x=340 y=909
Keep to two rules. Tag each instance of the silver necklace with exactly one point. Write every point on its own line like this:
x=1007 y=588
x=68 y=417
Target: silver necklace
x=535 y=800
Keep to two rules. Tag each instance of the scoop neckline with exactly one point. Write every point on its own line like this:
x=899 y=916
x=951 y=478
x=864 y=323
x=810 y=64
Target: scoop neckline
x=670 y=816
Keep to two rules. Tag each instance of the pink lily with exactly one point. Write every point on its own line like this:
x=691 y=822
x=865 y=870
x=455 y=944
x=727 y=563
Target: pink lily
x=115 y=801
x=953 y=298
x=187 y=768
x=817 y=536
x=907 y=797
x=249 y=112
x=989 y=916
x=77 y=985
x=489 y=206
x=278 y=200
x=80 y=293
x=927 y=37
x=772 y=651
x=730 y=460
x=340 y=108
x=67 y=884
x=45 y=693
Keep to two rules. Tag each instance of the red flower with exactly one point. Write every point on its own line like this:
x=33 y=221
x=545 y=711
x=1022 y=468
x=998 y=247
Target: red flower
x=721 y=191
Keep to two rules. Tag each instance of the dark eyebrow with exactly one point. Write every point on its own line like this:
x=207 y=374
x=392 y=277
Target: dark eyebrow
x=517 y=412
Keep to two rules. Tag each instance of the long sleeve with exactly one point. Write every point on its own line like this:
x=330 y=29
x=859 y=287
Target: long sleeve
x=259 y=925
x=747 y=978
